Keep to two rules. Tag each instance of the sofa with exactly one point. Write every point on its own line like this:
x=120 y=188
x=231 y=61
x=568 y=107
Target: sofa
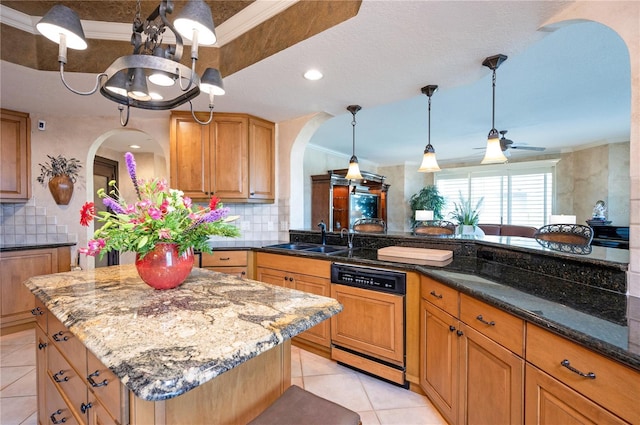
x=508 y=230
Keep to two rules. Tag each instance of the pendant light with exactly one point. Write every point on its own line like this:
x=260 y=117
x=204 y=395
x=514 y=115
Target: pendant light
x=429 y=162
x=354 y=170
x=493 y=154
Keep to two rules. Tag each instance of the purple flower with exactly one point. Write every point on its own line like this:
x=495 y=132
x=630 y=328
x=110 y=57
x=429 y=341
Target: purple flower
x=131 y=167
x=113 y=205
x=215 y=215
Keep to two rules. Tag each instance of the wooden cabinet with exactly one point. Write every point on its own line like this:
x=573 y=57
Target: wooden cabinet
x=15 y=155
x=232 y=158
x=306 y=275
x=16 y=301
x=337 y=202
x=572 y=382
x=230 y=262
x=439 y=359
x=469 y=376
x=73 y=386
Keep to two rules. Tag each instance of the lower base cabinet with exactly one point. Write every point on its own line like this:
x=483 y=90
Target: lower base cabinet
x=551 y=402
x=276 y=270
x=230 y=262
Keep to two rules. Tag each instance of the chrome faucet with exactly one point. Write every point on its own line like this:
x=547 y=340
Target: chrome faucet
x=350 y=236
x=323 y=230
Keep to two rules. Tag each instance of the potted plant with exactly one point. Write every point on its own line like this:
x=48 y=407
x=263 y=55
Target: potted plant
x=428 y=198
x=465 y=215
x=60 y=173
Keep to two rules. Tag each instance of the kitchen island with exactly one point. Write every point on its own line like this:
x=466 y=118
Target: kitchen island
x=214 y=350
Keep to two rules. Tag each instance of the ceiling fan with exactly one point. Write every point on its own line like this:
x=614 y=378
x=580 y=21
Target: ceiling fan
x=507 y=144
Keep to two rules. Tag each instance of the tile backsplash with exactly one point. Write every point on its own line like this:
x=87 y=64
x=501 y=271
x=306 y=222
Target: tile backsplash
x=28 y=224
x=262 y=222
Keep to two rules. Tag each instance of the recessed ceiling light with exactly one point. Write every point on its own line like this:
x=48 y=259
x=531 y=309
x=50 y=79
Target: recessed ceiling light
x=134 y=146
x=313 y=75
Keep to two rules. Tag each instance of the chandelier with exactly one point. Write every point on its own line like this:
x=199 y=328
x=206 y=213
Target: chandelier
x=125 y=81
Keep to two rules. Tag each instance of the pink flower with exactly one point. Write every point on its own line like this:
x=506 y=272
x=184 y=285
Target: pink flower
x=186 y=202
x=164 y=234
x=154 y=213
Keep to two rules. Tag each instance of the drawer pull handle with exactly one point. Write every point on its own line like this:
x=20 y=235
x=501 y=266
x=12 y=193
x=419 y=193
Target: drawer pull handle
x=56 y=337
x=436 y=295
x=225 y=258
x=57 y=378
x=95 y=384
x=85 y=407
x=57 y=421
x=37 y=311
x=491 y=323
x=42 y=345
x=565 y=363
x=452 y=328
x=459 y=333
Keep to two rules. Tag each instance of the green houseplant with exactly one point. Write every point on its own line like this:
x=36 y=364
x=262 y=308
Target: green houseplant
x=465 y=214
x=60 y=173
x=428 y=198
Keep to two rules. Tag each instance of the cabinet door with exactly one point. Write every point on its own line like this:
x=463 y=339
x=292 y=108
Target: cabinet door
x=261 y=159
x=371 y=322
x=16 y=299
x=190 y=150
x=274 y=277
x=549 y=402
x=15 y=154
x=229 y=163
x=319 y=334
x=439 y=344
x=491 y=381
x=42 y=345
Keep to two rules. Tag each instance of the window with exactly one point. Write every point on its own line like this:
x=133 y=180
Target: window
x=519 y=193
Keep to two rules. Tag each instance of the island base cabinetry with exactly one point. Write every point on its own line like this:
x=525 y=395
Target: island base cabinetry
x=229 y=262
x=260 y=381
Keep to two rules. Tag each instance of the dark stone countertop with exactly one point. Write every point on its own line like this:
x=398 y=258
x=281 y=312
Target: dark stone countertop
x=25 y=247
x=497 y=285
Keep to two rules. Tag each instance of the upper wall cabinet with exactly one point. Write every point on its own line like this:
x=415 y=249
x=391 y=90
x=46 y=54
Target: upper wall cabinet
x=232 y=158
x=15 y=154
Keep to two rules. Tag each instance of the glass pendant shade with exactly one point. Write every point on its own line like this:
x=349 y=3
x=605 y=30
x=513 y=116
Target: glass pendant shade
x=429 y=163
x=138 y=89
x=353 y=173
x=196 y=17
x=61 y=21
x=211 y=82
x=493 y=154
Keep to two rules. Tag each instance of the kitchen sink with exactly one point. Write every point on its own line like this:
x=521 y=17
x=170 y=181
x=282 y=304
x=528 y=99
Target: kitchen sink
x=307 y=247
x=292 y=246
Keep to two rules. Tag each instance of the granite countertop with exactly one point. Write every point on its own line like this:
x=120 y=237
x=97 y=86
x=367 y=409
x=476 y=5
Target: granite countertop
x=603 y=336
x=164 y=343
x=24 y=247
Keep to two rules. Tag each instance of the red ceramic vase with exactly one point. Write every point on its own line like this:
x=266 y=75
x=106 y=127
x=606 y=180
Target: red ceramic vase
x=163 y=268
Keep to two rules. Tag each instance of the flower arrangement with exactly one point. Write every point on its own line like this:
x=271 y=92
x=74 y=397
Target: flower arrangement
x=59 y=166
x=160 y=215
x=464 y=213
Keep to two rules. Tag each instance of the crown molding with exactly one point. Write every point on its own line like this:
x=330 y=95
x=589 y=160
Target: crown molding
x=248 y=18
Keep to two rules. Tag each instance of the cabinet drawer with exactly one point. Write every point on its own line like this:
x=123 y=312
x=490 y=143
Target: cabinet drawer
x=236 y=271
x=614 y=386
x=41 y=313
x=105 y=385
x=224 y=258
x=68 y=344
x=69 y=382
x=57 y=410
x=442 y=296
x=502 y=327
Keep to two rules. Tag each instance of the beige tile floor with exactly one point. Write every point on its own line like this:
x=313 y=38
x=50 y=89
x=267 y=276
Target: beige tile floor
x=377 y=402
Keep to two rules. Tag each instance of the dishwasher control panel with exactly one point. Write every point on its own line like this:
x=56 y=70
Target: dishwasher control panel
x=369 y=278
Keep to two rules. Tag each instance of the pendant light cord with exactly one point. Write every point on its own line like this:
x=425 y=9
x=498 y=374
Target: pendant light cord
x=493 y=110
x=429 y=124
x=353 y=145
